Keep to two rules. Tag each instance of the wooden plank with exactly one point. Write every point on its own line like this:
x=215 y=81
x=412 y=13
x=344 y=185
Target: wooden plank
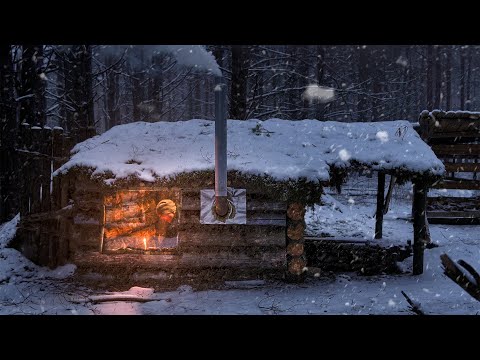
x=466 y=136
x=338 y=240
x=453 y=214
x=253 y=218
x=456 y=149
x=226 y=236
x=191 y=203
x=454 y=199
x=454 y=221
x=462 y=167
x=457 y=184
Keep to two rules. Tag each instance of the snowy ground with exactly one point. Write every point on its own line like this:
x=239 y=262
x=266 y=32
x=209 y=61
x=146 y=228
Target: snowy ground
x=28 y=289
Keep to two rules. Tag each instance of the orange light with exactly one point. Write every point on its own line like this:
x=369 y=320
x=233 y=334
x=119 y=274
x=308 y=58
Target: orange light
x=145 y=243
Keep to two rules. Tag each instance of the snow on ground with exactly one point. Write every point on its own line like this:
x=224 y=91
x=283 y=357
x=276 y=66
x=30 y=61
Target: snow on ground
x=27 y=288
x=289 y=149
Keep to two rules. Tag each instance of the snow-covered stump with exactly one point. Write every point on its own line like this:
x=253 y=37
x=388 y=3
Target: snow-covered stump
x=296 y=259
x=419 y=225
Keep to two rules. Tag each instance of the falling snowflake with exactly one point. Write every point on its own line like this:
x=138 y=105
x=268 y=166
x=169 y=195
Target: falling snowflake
x=321 y=94
x=382 y=136
x=344 y=155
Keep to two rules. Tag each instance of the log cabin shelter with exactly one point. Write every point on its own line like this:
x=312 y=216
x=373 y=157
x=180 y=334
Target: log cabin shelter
x=132 y=199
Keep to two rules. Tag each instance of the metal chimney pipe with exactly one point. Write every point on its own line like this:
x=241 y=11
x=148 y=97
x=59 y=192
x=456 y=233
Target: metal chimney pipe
x=221 y=203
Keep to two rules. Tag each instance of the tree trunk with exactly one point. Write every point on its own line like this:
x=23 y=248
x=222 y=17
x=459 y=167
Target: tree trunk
x=79 y=92
x=448 y=79
x=112 y=96
x=438 y=77
x=240 y=63
x=320 y=72
x=8 y=134
x=32 y=87
x=469 y=77
x=429 y=83
x=462 y=78
x=362 y=79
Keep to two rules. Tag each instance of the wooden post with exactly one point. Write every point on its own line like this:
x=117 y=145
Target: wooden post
x=419 y=225
x=296 y=259
x=380 y=205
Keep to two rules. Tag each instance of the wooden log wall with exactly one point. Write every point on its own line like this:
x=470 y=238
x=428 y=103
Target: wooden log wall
x=258 y=246
x=45 y=222
x=296 y=257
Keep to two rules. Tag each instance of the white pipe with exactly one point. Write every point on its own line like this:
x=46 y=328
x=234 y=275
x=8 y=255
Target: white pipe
x=220 y=147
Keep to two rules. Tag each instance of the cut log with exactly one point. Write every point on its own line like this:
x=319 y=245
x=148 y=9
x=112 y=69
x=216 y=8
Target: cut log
x=296 y=211
x=296 y=231
x=297 y=265
x=458 y=276
x=295 y=249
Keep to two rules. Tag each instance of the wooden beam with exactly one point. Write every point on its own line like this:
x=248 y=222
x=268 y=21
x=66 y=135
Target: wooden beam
x=453 y=214
x=456 y=149
x=380 y=205
x=419 y=225
x=462 y=167
x=457 y=184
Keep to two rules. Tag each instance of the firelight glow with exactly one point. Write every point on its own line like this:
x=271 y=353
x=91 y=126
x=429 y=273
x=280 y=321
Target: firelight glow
x=145 y=243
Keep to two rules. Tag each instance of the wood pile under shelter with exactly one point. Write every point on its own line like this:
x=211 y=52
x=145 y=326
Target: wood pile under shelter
x=454 y=136
x=133 y=194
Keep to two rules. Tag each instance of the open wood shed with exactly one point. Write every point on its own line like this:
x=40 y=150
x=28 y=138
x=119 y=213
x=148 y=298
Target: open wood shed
x=455 y=138
x=133 y=194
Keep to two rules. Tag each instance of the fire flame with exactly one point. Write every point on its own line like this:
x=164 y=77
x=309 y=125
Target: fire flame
x=145 y=243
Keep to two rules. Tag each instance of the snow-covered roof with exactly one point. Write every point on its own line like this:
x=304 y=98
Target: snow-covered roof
x=453 y=114
x=281 y=149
